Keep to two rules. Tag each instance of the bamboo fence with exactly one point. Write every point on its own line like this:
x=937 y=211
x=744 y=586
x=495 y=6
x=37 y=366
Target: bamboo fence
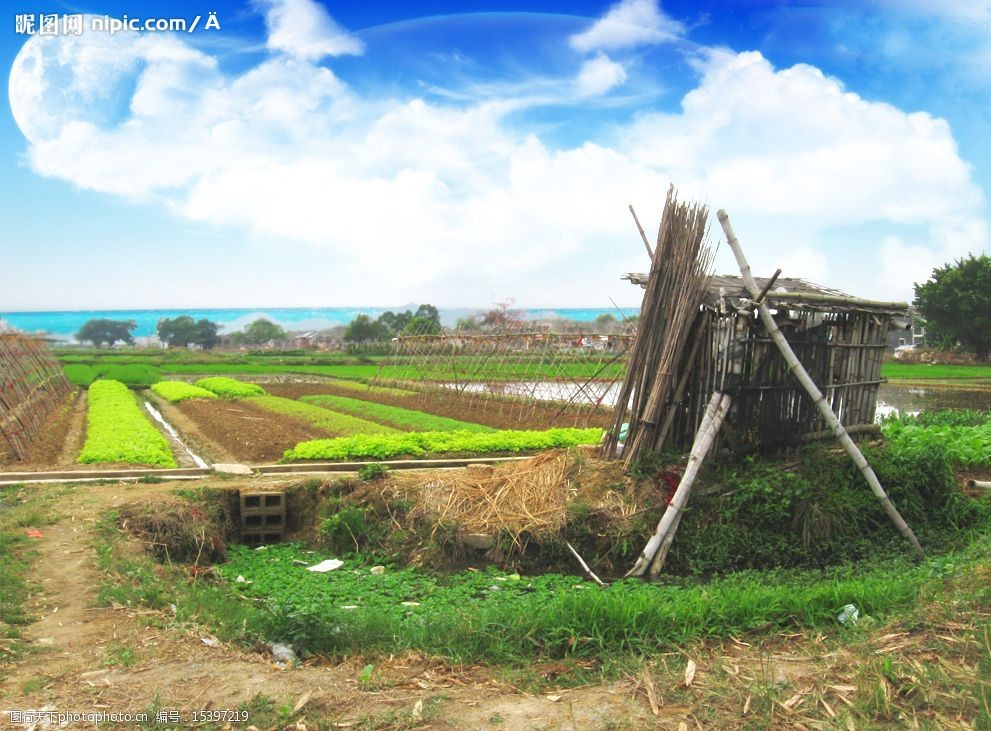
x=32 y=385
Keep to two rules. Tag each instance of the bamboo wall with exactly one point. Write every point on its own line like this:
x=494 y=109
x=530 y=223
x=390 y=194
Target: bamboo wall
x=841 y=350
x=32 y=385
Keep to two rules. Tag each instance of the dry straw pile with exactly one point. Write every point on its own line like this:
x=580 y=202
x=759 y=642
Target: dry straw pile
x=530 y=496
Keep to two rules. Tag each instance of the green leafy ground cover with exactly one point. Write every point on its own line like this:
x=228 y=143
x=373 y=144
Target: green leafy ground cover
x=136 y=375
x=117 y=430
x=419 y=444
x=406 y=419
x=965 y=436
x=176 y=391
x=332 y=421
x=495 y=615
x=230 y=387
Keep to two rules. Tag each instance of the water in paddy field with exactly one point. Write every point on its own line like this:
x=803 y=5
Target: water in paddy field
x=892 y=398
x=605 y=394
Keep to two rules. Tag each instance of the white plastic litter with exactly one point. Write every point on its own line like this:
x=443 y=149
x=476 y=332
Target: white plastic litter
x=377 y=570
x=324 y=566
x=282 y=653
x=240 y=580
x=849 y=613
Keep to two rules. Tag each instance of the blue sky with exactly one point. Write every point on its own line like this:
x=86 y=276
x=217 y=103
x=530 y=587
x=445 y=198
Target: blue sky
x=354 y=154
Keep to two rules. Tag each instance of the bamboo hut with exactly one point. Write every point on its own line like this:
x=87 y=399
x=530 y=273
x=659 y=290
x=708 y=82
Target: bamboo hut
x=839 y=339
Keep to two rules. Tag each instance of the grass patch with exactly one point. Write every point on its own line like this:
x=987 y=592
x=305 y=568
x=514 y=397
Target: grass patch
x=230 y=387
x=419 y=444
x=495 y=616
x=175 y=391
x=332 y=421
x=406 y=419
x=131 y=578
x=909 y=371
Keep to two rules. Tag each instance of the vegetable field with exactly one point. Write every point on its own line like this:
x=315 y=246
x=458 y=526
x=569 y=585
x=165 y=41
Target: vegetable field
x=119 y=432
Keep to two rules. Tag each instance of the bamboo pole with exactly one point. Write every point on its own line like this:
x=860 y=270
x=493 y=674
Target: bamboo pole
x=810 y=387
x=712 y=419
x=978 y=485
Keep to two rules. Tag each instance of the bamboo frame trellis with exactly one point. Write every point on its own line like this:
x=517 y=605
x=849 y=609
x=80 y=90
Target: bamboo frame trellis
x=32 y=385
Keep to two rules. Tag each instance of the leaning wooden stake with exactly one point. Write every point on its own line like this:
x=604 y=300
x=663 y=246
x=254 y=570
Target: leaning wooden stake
x=711 y=421
x=591 y=574
x=810 y=387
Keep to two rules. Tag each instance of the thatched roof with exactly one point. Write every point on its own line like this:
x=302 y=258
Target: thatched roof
x=797 y=294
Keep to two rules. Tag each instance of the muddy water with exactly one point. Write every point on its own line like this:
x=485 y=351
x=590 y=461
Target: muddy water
x=891 y=397
x=919 y=398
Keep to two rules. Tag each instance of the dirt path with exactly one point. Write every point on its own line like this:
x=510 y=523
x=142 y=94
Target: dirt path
x=126 y=659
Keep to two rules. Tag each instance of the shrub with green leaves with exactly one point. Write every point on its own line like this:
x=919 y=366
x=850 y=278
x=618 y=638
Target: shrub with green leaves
x=176 y=391
x=406 y=419
x=117 y=431
x=230 y=387
x=965 y=436
x=331 y=421
x=419 y=444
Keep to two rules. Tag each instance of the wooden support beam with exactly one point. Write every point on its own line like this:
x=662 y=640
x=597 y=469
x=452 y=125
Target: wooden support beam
x=810 y=387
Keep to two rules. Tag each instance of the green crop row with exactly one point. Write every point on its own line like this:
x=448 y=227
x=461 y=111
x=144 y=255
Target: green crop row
x=364 y=388
x=230 y=387
x=966 y=446
x=331 y=421
x=180 y=391
x=418 y=444
x=135 y=375
x=405 y=419
x=118 y=432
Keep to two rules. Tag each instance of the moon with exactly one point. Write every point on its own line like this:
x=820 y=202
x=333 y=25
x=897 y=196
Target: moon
x=59 y=80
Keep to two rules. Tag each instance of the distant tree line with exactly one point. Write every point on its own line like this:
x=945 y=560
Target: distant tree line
x=179 y=332
x=424 y=321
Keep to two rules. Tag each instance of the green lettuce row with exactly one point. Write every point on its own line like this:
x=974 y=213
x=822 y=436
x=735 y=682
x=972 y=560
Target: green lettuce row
x=117 y=431
x=419 y=444
x=230 y=387
x=394 y=415
x=180 y=391
x=135 y=375
x=332 y=421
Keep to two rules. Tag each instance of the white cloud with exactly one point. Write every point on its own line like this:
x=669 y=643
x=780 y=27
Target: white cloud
x=628 y=24
x=303 y=29
x=424 y=196
x=599 y=75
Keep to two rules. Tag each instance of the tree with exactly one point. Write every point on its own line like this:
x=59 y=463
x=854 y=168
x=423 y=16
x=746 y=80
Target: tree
x=956 y=303
x=100 y=331
x=364 y=329
x=259 y=332
x=502 y=317
x=183 y=331
x=393 y=323
x=606 y=322
x=468 y=324
x=420 y=325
